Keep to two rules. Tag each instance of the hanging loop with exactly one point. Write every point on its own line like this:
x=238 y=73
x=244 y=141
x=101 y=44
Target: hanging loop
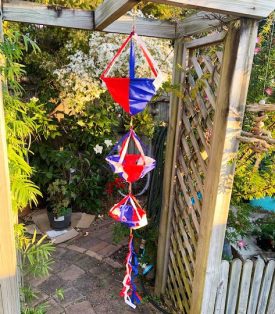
x=134 y=19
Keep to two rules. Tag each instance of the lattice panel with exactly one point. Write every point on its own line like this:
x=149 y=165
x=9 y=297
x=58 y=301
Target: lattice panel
x=192 y=152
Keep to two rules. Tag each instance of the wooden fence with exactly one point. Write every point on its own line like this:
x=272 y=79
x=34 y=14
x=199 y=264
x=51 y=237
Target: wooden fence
x=246 y=287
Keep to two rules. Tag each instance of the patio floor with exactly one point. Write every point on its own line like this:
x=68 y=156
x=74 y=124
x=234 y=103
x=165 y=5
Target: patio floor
x=91 y=280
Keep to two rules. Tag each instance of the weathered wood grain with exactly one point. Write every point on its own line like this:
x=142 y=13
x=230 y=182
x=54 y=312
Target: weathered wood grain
x=245 y=8
x=7 y=242
x=233 y=286
x=245 y=286
x=206 y=40
x=230 y=106
x=202 y=22
x=144 y=27
x=271 y=302
x=265 y=288
x=34 y=13
x=9 y=289
x=222 y=288
x=111 y=10
x=258 y=107
x=255 y=286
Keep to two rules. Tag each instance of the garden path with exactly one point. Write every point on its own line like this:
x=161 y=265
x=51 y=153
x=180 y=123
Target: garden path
x=90 y=278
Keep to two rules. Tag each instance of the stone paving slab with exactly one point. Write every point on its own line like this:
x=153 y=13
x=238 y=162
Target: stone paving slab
x=80 y=308
x=54 y=308
x=50 y=285
x=71 y=273
x=71 y=296
x=108 y=250
x=98 y=245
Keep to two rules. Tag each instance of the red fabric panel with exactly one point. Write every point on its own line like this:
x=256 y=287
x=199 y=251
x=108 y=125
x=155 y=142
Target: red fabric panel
x=130 y=167
x=119 y=89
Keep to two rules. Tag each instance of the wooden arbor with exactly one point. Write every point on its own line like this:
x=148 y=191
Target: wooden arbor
x=202 y=139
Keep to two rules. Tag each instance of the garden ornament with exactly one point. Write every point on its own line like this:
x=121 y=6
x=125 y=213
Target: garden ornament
x=131 y=167
x=129 y=212
x=133 y=93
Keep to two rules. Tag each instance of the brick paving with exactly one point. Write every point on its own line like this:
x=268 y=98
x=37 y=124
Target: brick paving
x=90 y=279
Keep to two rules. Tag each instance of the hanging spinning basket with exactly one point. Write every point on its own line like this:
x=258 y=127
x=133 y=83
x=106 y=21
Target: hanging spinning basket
x=131 y=167
x=133 y=93
x=129 y=212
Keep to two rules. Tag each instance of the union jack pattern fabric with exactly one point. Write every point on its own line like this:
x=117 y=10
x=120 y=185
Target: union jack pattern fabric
x=131 y=167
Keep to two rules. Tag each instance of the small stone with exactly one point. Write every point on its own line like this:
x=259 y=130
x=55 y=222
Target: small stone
x=71 y=273
x=81 y=308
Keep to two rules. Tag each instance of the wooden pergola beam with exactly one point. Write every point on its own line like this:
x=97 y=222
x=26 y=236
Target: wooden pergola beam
x=34 y=13
x=110 y=10
x=245 y=8
x=201 y=22
x=144 y=27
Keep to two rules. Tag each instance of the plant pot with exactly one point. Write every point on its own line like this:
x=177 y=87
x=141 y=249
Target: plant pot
x=60 y=223
x=227 y=250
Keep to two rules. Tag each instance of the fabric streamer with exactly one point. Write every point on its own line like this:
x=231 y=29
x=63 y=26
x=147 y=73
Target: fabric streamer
x=132 y=94
x=128 y=291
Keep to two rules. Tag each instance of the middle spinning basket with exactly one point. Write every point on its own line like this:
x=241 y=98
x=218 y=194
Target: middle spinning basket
x=131 y=167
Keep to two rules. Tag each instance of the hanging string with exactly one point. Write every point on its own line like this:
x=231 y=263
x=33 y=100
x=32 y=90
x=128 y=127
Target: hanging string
x=134 y=19
x=268 y=58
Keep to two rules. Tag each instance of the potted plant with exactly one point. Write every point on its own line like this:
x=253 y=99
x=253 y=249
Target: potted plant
x=59 y=212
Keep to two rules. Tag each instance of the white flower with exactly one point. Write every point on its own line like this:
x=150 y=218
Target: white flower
x=108 y=143
x=98 y=149
x=34 y=99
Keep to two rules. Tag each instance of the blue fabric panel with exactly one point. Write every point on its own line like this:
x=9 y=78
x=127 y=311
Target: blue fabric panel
x=132 y=60
x=127 y=212
x=141 y=92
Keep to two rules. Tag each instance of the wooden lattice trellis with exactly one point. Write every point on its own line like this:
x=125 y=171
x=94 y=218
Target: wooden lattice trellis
x=195 y=117
x=205 y=122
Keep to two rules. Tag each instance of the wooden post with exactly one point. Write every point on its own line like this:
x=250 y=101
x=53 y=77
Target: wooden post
x=230 y=107
x=164 y=228
x=9 y=290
